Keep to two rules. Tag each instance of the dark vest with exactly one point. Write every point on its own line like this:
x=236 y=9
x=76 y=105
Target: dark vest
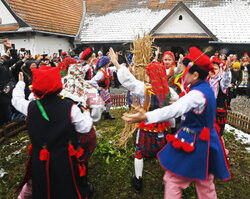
x=221 y=98
x=55 y=135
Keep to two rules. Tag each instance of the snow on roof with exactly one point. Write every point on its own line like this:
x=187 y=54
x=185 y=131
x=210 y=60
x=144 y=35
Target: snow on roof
x=120 y=26
x=229 y=23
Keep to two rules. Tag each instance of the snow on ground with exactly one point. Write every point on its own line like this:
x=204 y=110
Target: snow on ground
x=244 y=137
x=2 y=173
x=119 y=107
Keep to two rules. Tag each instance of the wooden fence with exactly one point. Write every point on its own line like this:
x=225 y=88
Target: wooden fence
x=239 y=121
x=11 y=129
x=119 y=100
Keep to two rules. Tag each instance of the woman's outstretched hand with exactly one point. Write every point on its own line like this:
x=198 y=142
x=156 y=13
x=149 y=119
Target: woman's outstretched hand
x=136 y=117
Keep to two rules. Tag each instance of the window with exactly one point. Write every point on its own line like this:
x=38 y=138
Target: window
x=180 y=17
x=162 y=1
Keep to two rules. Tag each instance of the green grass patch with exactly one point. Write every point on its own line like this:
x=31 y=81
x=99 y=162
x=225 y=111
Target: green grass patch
x=111 y=167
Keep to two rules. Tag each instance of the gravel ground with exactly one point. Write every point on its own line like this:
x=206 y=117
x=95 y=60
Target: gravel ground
x=118 y=91
x=241 y=104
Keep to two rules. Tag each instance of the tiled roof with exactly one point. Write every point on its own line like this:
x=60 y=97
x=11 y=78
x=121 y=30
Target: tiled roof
x=105 y=6
x=8 y=28
x=58 y=16
x=123 y=25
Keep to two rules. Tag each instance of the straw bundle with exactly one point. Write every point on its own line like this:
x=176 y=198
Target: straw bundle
x=143 y=51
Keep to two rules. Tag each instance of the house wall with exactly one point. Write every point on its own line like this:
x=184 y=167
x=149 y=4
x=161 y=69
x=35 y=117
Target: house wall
x=50 y=44
x=5 y=15
x=175 y=26
x=39 y=43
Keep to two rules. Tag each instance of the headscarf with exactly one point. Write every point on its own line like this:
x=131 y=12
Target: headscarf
x=168 y=53
x=171 y=72
x=159 y=82
x=102 y=61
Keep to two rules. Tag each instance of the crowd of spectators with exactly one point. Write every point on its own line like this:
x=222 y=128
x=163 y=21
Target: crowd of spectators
x=21 y=60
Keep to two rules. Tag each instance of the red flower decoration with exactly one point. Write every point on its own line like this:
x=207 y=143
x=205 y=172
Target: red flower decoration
x=72 y=150
x=44 y=155
x=205 y=134
x=82 y=170
x=187 y=147
x=80 y=153
x=159 y=127
x=177 y=144
x=168 y=124
x=170 y=138
x=142 y=125
x=30 y=149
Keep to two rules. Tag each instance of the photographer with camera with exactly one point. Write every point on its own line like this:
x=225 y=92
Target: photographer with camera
x=7 y=82
x=44 y=59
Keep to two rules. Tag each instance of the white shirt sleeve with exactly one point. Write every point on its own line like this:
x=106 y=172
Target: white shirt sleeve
x=174 y=95
x=18 y=98
x=128 y=80
x=82 y=121
x=225 y=80
x=112 y=69
x=194 y=101
x=96 y=112
x=94 y=81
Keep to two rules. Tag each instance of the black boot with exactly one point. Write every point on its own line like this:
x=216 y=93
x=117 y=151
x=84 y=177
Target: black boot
x=107 y=116
x=136 y=183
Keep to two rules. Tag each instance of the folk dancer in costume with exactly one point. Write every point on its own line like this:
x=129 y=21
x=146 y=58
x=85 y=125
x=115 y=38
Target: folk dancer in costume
x=55 y=155
x=219 y=82
x=168 y=61
x=195 y=152
x=156 y=93
x=84 y=95
x=101 y=81
x=88 y=63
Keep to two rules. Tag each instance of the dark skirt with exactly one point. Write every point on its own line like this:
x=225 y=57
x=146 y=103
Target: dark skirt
x=88 y=142
x=221 y=119
x=149 y=144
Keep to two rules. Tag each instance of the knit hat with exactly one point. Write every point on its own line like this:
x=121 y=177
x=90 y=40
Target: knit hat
x=46 y=81
x=86 y=54
x=236 y=65
x=200 y=59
